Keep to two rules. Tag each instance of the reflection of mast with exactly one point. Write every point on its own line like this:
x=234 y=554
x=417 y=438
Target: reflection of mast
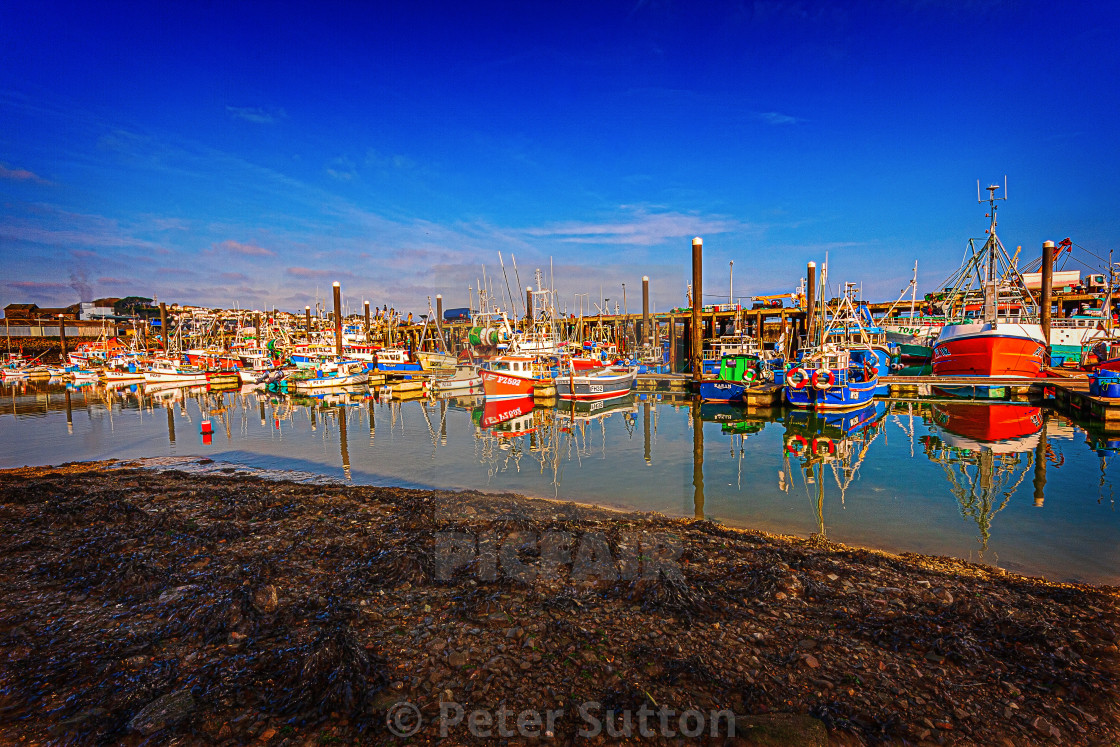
x=984 y=491
x=818 y=467
x=697 y=461
x=843 y=453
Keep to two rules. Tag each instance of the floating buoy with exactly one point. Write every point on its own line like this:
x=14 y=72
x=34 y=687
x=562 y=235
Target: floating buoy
x=206 y=427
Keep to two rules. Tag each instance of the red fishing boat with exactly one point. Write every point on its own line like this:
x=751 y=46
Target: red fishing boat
x=513 y=376
x=993 y=329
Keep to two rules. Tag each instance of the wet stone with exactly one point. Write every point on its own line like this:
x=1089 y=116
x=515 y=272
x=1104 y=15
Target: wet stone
x=266 y=599
x=163 y=712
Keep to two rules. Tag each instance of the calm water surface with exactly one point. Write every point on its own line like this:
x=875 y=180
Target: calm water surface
x=1012 y=485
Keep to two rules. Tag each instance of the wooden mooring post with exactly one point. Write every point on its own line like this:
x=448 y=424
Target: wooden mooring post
x=696 y=354
x=337 y=319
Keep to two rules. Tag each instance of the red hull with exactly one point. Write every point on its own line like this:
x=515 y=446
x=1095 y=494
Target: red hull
x=497 y=385
x=494 y=413
x=988 y=422
x=988 y=355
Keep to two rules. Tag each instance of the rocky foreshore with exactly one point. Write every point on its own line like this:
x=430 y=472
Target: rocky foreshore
x=139 y=605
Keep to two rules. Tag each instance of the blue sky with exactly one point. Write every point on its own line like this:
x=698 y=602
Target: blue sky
x=225 y=153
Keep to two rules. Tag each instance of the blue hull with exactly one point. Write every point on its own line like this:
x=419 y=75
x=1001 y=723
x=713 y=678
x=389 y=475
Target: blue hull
x=723 y=391
x=841 y=397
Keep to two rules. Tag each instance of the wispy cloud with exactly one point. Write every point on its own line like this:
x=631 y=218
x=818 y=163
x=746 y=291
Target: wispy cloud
x=777 y=118
x=306 y=273
x=256 y=114
x=342 y=168
x=50 y=225
x=374 y=159
x=30 y=285
x=643 y=229
x=21 y=175
x=246 y=250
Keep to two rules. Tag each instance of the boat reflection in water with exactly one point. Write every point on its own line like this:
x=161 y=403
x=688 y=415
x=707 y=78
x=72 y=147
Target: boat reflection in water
x=644 y=451
x=510 y=429
x=987 y=451
x=819 y=443
x=739 y=423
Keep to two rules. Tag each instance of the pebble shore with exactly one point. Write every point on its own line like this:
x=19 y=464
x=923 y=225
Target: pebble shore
x=160 y=606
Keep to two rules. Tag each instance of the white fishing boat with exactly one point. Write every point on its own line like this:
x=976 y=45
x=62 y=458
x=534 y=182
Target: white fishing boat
x=163 y=370
x=340 y=374
x=465 y=380
x=430 y=359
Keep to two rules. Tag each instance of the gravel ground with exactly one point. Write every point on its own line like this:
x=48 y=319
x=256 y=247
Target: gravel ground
x=146 y=606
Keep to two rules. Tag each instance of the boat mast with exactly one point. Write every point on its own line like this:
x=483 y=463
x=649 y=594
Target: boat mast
x=991 y=247
x=913 y=290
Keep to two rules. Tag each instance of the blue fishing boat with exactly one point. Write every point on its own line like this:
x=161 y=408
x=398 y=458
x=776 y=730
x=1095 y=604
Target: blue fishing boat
x=738 y=372
x=830 y=378
x=853 y=327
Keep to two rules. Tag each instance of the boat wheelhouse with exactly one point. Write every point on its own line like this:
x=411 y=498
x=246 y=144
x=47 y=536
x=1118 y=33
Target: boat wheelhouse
x=513 y=376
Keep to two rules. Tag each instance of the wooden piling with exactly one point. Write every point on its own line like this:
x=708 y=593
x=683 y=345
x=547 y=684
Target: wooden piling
x=697 y=303
x=163 y=324
x=1047 y=288
x=366 y=335
x=337 y=319
x=672 y=343
x=529 y=306
x=307 y=321
x=646 y=331
x=439 y=320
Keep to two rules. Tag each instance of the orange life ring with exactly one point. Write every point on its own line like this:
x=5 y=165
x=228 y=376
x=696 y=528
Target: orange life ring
x=797 y=445
x=823 y=378
x=827 y=442
x=797 y=378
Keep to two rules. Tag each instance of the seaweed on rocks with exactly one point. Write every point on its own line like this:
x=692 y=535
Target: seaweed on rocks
x=138 y=606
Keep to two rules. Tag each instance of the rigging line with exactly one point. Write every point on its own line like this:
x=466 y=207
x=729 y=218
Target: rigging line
x=509 y=293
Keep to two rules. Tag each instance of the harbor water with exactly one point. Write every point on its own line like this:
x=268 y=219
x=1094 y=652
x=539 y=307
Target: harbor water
x=1014 y=485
